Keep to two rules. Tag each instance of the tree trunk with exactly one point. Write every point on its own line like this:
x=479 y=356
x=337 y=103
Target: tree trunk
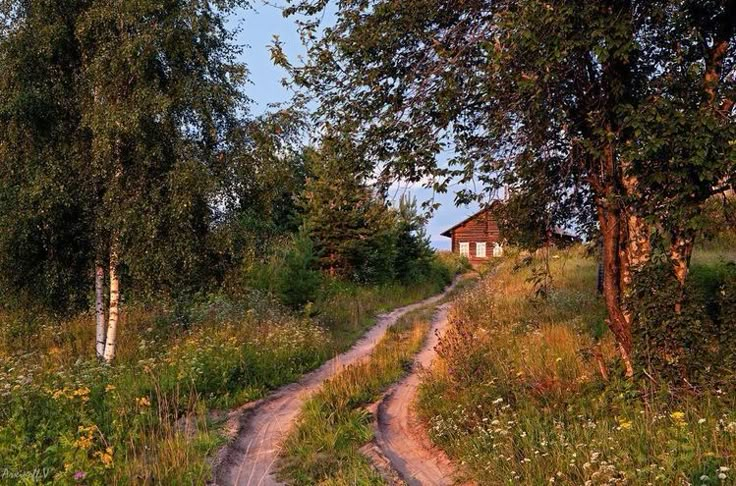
x=681 y=249
x=610 y=223
x=99 y=310
x=112 y=325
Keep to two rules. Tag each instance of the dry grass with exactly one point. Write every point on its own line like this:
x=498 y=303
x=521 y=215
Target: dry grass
x=519 y=400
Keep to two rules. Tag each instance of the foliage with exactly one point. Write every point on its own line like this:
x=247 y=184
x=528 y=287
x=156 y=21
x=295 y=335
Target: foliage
x=45 y=205
x=358 y=235
x=352 y=227
x=299 y=281
x=693 y=347
x=113 y=125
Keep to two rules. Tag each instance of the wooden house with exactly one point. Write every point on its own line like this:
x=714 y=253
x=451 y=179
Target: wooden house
x=476 y=237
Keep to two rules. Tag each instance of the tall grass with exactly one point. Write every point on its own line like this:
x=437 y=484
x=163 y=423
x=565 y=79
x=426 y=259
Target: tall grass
x=518 y=398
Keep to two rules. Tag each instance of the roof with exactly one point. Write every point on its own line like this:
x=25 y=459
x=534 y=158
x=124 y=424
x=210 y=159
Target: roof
x=448 y=232
x=557 y=230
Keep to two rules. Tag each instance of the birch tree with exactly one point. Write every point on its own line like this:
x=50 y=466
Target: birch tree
x=165 y=93
x=114 y=116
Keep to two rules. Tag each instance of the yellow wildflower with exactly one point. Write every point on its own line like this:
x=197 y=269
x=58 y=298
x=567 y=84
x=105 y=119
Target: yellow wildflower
x=86 y=434
x=82 y=393
x=84 y=442
x=678 y=418
x=105 y=457
x=110 y=387
x=143 y=402
x=625 y=424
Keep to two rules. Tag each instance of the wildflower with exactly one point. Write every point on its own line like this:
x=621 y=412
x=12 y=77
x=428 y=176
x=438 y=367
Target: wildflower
x=724 y=468
x=678 y=418
x=110 y=387
x=701 y=421
x=722 y=476
x=704 y=477
x=105 y=457
x=84 y=442
x=79 y=475
x=82 y=393
x=625 y=424
x=497 y=401
x=143 y=402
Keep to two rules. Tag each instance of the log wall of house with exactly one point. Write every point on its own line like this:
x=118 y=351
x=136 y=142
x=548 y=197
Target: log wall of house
x=482 y=228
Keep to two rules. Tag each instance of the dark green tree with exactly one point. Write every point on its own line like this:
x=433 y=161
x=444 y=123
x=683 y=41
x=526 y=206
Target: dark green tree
x=414 y=255
x=351 y=226
x=46 y=207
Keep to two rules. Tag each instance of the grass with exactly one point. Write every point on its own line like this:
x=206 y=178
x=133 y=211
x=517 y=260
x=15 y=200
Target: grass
x=325 y=446
x=518 y=398
x=148 y=418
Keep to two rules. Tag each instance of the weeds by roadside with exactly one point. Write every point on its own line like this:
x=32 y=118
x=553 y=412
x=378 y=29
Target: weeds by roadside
x=518 y=397
x=147 y=419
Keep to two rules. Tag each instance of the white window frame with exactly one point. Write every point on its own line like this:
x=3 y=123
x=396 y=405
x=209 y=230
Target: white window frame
x=464 y=248
x=480 y=245
x=497 y=250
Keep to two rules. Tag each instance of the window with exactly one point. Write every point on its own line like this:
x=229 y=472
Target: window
x=465 y=249
x=497 y=250
x=480 y=249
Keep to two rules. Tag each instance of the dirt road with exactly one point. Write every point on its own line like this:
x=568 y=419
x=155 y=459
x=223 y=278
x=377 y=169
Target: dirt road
x=400 y=438
x=261 y=426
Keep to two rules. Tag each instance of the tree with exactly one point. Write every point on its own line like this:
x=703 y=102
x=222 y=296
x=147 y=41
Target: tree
x=153 y=92
x=413 y=251
x=351 y=226
x=46 y=208
x=534 y=94
x=683 y=151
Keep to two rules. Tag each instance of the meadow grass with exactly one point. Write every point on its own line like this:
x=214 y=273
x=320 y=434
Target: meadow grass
x=518 y=398
x=148 y=418
x=325 y=446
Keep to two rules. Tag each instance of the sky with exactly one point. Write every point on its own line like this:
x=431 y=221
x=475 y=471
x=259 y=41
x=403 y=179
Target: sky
x=257 y=28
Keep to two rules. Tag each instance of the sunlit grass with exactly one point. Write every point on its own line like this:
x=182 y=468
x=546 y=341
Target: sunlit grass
x=147 y=419
x=518 y=397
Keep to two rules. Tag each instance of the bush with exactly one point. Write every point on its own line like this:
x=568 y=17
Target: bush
x=298 y=279
x=694 y=346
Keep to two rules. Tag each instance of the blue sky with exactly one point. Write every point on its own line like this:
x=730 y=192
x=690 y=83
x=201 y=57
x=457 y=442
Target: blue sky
x=258 y=26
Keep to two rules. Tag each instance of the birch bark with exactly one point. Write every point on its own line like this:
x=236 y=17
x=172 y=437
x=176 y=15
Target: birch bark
x=100 y=337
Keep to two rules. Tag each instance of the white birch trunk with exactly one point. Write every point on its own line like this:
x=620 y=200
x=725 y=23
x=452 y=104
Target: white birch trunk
x=100 y=310
x=112 y=324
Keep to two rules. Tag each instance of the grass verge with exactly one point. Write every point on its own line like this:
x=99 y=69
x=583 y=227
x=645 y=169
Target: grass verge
x=325 y=446
x=517 y=396
x=67 y=419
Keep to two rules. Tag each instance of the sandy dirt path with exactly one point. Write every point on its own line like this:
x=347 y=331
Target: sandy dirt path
x=400 y=437
x=261 y=426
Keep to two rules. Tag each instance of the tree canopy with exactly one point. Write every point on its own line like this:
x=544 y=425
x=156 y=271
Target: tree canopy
x=613 y=115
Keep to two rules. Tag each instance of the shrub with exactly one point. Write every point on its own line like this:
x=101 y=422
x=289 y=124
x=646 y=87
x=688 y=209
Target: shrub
x=694 y=346
x=298 y=278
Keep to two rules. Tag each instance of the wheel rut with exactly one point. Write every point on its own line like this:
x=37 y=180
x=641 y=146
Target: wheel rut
x=400 y=437
x=261 y=426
